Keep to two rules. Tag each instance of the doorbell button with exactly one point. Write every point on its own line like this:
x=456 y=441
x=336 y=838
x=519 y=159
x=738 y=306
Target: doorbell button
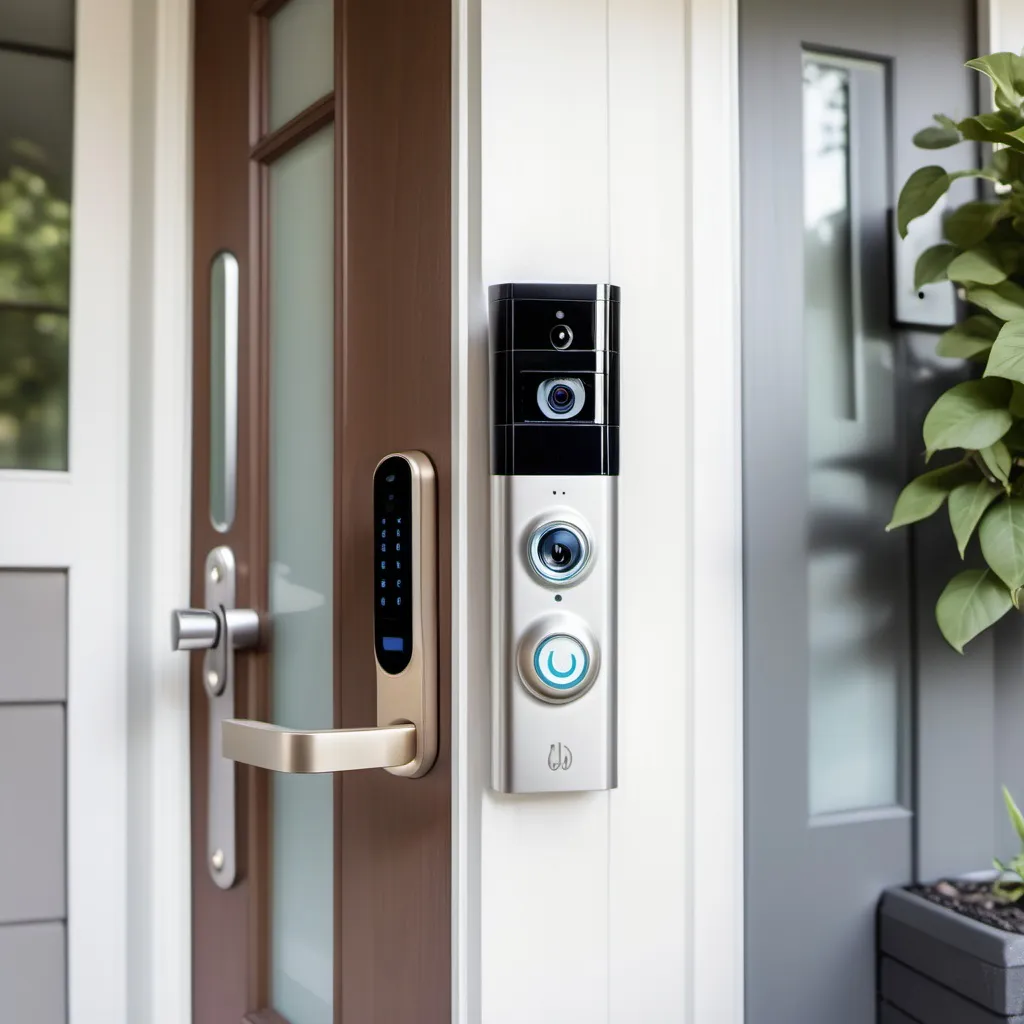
x=557 y=659
x=561 y=662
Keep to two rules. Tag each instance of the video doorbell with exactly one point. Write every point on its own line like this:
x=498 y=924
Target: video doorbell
x=554 y=465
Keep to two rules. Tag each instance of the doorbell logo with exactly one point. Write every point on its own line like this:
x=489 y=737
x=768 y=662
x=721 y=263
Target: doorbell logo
x=559 y=757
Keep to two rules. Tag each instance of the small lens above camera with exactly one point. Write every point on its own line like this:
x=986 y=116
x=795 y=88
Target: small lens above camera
x=561 y=335
x=558 y=552
x=561 y=397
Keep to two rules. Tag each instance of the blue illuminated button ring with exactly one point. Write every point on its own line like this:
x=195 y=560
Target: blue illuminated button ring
x=557 y=659
x=561 y=662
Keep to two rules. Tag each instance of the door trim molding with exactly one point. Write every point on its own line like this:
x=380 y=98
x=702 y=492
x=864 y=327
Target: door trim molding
x=159 y=883
x=715 y=942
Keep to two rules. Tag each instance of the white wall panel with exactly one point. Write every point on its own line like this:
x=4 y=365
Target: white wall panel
x=647 y=836
x=607 y=152
x=544 y=217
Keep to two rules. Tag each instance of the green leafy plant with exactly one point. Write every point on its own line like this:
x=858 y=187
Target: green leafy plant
x=980 y=421
x=1009 y=886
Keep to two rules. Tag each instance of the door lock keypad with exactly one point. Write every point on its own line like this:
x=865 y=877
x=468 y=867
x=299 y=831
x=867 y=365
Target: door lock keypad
x=393 y=564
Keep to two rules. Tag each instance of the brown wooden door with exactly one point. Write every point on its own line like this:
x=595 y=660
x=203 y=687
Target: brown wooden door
x=322 y=164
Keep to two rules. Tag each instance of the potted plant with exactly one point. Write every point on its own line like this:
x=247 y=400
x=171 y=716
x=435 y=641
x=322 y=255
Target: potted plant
x=953 y=951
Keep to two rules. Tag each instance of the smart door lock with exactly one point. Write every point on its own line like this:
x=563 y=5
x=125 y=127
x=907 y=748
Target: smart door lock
x=403 y=546
x=554 y=464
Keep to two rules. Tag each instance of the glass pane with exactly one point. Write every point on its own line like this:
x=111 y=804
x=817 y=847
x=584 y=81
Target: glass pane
x=35 y=233
x=857 y=575
x=301 y=573
x=828 y=312
x=33 y=389
x=49 y=23
x=301 y=57
x=223 y=389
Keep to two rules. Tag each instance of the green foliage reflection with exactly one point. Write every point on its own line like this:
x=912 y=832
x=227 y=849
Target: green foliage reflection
x=35 y=234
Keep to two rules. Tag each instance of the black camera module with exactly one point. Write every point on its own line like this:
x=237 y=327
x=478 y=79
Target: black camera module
x=561 y=398
x=561 y=335
x=558 y=552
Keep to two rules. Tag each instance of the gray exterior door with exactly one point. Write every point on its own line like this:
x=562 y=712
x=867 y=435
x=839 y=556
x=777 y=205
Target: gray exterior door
x=838 y=613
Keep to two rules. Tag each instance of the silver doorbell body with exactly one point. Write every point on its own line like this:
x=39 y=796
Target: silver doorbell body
x=554 y=464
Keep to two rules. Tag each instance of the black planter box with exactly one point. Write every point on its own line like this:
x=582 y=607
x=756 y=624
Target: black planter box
x=938 y=967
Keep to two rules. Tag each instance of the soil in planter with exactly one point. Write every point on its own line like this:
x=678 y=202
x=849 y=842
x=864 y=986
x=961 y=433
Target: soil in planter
x=975 y=899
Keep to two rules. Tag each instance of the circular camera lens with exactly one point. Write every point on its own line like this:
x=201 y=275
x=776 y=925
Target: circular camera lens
x=560 y=398
x=561 y=336
x=558 y=552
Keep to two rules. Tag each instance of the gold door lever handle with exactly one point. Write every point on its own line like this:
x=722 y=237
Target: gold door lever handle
x=405 y=739
x=318 y=750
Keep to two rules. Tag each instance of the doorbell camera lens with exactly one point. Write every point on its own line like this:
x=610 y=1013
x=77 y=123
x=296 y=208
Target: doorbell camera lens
x=561 y=335
x=558 y=552
x=561 y=398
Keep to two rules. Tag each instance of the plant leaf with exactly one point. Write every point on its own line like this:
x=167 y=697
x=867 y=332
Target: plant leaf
x=969 y=338
x=970 y=415
x=971 y=602
x=1006 y=70
x=938 y=136
x=972 y=223
x=987 y=128
x=967 y=504
x=925 y=494
x=932 y=263
x=998 y=460
x=1007 y=356
x=1008 y=164
x=1014 y=437
x=1006 y=300
x=979 y=266
x=1016 y=818
x=1002 y=540
x=921 y=192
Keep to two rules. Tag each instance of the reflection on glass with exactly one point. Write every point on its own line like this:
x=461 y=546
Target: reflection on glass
x=301 y=57
x=48 y=23
x=35 y=234
x=301 y=569
x=223 y=389
x=857 y=575
x=828 y=314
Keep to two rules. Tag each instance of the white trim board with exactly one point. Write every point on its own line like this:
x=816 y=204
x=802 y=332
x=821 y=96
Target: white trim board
x=608 y=151
x=159 y=870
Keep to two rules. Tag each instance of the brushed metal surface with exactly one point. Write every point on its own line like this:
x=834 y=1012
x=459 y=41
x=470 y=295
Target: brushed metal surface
x=543 y=746
x=300 y=752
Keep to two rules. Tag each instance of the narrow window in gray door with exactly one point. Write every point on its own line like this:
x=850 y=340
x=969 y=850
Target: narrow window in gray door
x=857 y=578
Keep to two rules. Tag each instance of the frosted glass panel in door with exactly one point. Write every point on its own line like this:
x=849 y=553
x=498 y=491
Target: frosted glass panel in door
x=301 y=559
x=301 y=57
x=857 y=576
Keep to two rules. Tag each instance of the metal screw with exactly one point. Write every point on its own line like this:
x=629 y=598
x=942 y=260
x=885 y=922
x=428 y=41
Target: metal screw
x=217 y=860
x=215 y=574
x=212 y=679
